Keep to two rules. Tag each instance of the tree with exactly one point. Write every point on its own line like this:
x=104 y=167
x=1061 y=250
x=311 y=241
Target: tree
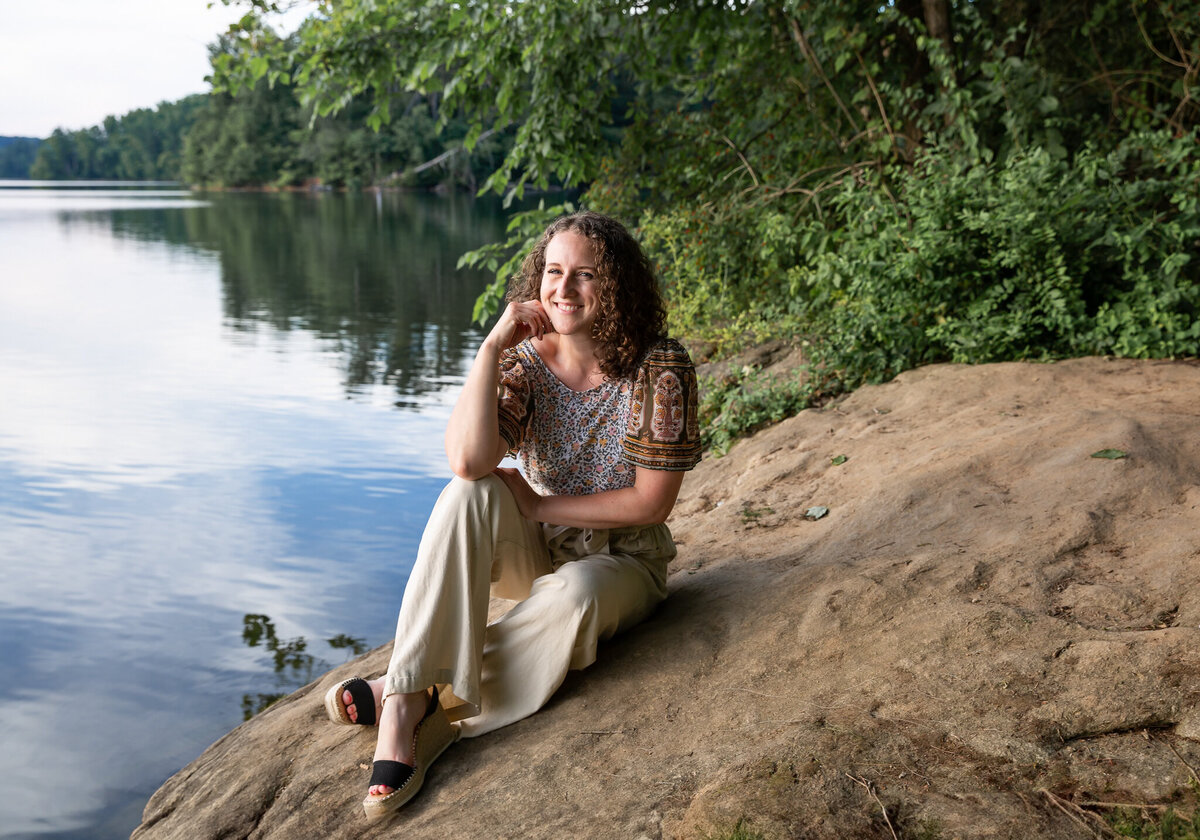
x=861 y=80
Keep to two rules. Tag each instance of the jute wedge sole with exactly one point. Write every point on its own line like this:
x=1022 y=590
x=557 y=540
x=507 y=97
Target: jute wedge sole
x=364 y=702
x=430 y=739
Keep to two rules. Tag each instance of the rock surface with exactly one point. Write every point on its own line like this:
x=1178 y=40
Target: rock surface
x=989 y=632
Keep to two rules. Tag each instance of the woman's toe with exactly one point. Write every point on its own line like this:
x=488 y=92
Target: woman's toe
x=348 y=702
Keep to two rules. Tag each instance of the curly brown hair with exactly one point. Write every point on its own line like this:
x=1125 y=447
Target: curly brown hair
x=632 y=316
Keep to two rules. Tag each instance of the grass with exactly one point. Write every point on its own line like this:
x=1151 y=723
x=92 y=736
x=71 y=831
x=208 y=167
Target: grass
x=1131 y=822
x=739 y=832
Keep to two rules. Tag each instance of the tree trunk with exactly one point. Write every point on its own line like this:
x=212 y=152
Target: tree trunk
x=937 y=22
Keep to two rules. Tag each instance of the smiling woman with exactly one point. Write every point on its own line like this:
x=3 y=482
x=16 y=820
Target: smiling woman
x=576 y=380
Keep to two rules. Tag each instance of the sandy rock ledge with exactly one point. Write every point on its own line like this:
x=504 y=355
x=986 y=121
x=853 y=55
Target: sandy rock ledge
x=990 y=631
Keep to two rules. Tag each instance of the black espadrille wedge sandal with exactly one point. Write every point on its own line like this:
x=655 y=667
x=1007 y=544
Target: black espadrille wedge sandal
x=430 y=739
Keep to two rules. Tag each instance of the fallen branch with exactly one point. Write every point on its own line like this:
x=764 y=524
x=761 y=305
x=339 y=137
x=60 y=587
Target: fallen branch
x=1184 y=761
x=871 y=790
x=1073 y=812
x=1135 y=805
x=429 y=164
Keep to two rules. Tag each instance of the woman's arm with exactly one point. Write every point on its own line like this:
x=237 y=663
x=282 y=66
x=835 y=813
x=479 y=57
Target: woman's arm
x=474 y=444
x=648 y=502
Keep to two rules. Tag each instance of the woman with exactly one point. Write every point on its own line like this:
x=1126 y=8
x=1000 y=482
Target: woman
x=577 y=380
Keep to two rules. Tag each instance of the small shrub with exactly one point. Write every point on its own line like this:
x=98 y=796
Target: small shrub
x=739 y=405
x=1033 y=257
x=1129 y=822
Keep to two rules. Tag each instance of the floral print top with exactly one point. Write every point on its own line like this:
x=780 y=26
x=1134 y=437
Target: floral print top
x=575 y=443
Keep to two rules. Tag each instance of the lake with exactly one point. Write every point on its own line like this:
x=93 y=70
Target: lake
x=221 y=423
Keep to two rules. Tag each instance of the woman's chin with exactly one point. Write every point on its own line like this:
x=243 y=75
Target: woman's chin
x=571 y=326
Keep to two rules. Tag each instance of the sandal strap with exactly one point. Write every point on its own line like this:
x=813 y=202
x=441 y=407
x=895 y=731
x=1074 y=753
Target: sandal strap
x=364 y=700
x=394 y=774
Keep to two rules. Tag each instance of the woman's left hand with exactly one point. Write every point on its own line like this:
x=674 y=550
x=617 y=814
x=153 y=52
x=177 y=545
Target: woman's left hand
x=527 y=498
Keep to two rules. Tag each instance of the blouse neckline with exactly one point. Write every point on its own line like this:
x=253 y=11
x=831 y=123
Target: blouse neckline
x=554 y=376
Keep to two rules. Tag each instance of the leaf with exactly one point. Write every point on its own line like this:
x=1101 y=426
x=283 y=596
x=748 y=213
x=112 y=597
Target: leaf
x=1111 y=454
x=816 y=512
x=838 y=460
x=259 y=66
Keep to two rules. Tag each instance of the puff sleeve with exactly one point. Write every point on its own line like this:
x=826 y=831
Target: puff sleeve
x=514 y=399
x=664 y=429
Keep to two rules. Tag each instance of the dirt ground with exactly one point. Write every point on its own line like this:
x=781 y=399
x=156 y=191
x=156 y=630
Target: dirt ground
x=989 y=634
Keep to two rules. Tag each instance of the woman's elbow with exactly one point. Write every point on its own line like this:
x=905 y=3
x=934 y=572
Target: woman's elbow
x=469 y=459
x=469 y=468
x=657 y=514
x=658 y=500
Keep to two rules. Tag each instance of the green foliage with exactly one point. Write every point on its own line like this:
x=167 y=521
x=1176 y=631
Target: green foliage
x=1130 y=822
x=494 y=64
x=243 y=141
x=751 y=516
x=258 y=131
x=728 y=274
x=929 y=829
x=1032 y=257
x=739 y=405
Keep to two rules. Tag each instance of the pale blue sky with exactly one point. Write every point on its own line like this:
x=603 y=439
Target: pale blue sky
x=70 y=63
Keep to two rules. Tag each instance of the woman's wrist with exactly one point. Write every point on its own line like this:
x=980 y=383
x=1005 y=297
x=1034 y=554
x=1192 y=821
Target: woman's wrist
x=490 y=350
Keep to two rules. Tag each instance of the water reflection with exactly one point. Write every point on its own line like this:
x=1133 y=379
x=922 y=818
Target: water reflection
x=373 y=276
x=199 y=430
x=294 y=665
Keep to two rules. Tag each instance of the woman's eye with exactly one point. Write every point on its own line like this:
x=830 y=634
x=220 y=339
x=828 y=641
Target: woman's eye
x=586 y=275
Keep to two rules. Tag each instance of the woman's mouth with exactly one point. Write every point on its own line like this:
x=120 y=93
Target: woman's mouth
x=566 y=307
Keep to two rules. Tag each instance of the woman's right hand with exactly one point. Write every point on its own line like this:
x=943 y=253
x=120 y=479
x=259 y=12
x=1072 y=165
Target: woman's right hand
x=519 y=320
x=474 y=444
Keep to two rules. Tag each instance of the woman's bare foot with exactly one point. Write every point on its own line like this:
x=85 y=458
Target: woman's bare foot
x=397 y=723
x=376 y=691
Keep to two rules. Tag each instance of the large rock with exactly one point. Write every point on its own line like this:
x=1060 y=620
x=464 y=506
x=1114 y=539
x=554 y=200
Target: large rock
x=990 y=632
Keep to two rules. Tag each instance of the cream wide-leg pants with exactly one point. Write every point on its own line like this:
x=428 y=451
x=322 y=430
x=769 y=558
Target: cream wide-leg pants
x=575 y=586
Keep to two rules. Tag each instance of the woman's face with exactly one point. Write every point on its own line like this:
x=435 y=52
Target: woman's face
x=568 y=291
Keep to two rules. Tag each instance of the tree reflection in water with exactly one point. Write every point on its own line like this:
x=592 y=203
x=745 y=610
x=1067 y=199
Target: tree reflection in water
x=373 y=276
x=294 y=664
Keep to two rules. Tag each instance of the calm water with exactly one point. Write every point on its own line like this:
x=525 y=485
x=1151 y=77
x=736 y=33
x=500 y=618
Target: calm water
x=220 y=436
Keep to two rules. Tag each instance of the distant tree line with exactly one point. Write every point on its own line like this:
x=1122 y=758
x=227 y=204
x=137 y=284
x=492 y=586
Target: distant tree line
x=16 y=156
x=142 y=145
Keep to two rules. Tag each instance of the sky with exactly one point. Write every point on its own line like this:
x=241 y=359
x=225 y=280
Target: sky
x=70 y=63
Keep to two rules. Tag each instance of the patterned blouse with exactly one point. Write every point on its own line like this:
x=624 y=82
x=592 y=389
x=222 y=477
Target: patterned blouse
x=575 y=443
